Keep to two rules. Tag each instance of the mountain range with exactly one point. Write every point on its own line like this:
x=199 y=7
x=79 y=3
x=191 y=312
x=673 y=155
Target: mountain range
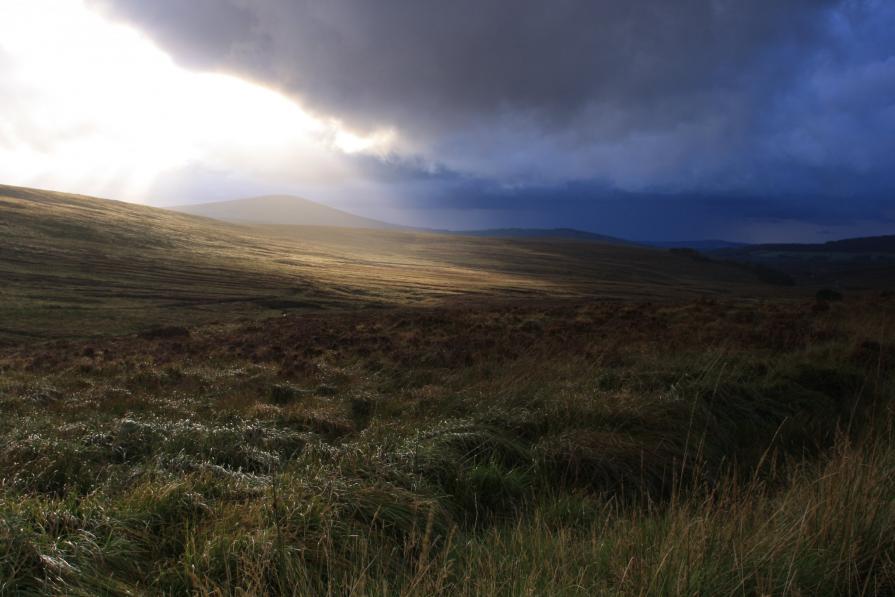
x=288 y=210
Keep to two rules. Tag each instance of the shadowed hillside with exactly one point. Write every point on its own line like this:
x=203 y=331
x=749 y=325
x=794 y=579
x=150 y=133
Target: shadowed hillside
x=75 y=265
x=568 y=233
x=853 y=263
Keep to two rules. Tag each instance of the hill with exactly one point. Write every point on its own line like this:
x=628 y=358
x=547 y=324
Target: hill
x=75 y=265
x=568 y=233
x=858 y=263
x=865 y=244
x=280 y=209
x=699 y=245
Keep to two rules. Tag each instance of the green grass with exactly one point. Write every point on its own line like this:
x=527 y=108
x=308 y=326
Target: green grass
x=393 y=413
x=684 y=448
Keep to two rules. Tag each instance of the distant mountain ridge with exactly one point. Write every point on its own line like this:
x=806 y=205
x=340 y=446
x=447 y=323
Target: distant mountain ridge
x=291 y=210
x=280 y=209
x=570 y=233
x=863 y=244
x=711 y=244
x=574 y=233
x=863 y=262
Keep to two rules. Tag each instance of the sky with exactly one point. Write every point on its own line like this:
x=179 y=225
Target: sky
x=757 y=121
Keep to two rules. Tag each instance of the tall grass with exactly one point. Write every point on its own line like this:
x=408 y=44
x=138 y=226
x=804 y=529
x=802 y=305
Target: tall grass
x=827 y=529
x=632 y=470
x=830 y=530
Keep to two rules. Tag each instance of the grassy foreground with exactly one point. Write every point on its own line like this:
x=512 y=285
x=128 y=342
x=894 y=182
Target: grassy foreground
x=698 y=448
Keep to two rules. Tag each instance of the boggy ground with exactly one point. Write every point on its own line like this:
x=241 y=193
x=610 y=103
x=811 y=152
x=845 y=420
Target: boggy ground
x=628 y=448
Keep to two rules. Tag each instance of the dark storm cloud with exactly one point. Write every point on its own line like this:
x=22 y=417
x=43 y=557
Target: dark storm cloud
x=751 y=98
x=202 y=33
x=425 y=66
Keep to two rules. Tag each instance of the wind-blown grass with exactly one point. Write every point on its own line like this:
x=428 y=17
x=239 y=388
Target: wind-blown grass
x=691 y=449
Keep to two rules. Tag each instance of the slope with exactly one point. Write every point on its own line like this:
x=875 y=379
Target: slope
x=568 y=233
x=853 y=263
x=80 y=266
x=280 y=209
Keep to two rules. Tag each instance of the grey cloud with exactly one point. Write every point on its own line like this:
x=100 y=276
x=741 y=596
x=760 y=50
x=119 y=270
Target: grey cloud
x=428 y=66
x=694 y=95
x=201 y=33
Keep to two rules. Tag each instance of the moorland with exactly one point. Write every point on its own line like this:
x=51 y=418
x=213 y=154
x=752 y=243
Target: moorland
x=199 y=407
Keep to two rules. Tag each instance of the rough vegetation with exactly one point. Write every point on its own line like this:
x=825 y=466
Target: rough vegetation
x=699 y=447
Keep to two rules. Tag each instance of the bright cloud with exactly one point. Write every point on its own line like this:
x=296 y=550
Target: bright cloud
x=92 y=106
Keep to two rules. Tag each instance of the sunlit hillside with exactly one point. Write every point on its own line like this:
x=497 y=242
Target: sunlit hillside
x=75 y=265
